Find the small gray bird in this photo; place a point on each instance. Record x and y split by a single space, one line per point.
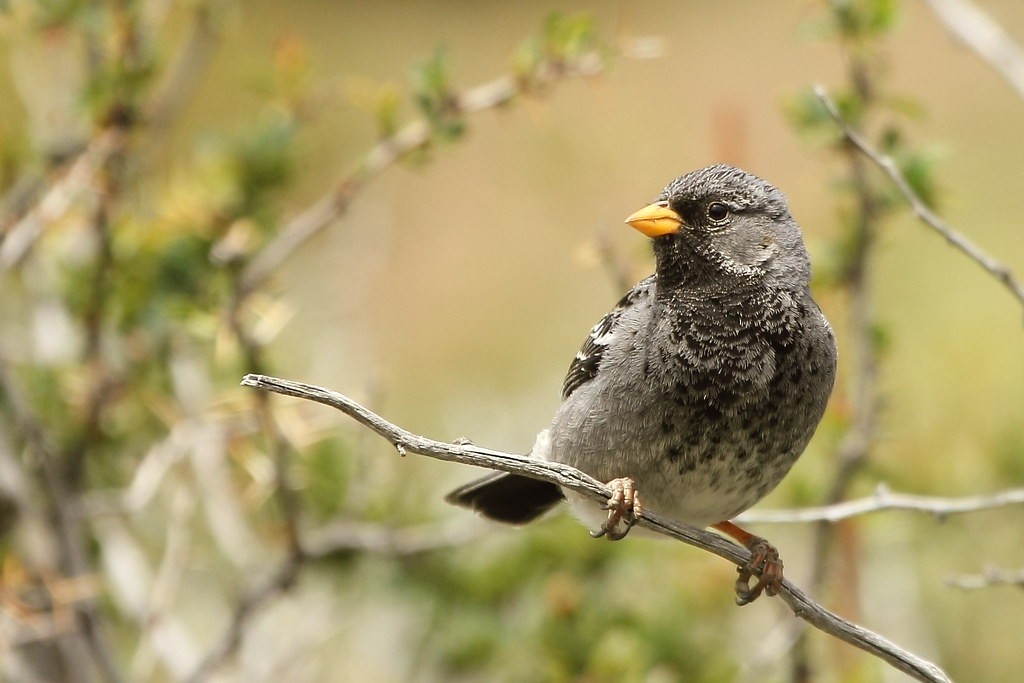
701 388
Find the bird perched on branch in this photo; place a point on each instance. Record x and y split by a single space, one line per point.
696 394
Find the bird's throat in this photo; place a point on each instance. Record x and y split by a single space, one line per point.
682 266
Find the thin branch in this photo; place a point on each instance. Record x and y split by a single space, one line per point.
981 34
884 499
188 62
281 581
992 576
18 238
412 138
575 480
161 632
618 268
997 269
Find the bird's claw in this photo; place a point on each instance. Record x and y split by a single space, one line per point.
764 564
624 508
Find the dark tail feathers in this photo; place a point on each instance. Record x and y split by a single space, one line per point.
507 498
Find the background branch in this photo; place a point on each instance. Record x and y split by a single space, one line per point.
570 478
414 137
279 582
77 177
884 499
982 35
1000 271
992 576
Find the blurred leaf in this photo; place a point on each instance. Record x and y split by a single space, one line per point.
907 106
563 39
918 167
808 114
386 111
435 97
570 36
262 159
890 140
919 170
864 19
51 14
881 338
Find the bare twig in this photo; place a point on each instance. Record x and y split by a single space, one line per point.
283 578
617 267
1000 271
884 499
172 92
575 480
981 34
410 139
992 576
17 239
164 634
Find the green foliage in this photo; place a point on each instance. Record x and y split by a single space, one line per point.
863 20
125 68
918 167
262 161
568 37
808 115
386 108
116 87
862 26
435 97
58 13
563 39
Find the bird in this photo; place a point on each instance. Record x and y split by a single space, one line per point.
696 394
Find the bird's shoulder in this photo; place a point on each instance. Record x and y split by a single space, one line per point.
584 366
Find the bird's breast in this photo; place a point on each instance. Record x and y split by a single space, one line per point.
707 423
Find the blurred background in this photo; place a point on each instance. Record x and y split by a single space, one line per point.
190 195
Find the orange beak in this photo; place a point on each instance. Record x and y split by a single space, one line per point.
655 220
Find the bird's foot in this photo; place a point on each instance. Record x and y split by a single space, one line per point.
764 564
624 508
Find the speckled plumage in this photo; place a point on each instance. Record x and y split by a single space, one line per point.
708 379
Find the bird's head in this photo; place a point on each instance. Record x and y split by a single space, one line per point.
720 226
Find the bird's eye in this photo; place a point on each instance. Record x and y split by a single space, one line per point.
717 211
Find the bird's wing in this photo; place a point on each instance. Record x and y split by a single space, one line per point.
584 366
